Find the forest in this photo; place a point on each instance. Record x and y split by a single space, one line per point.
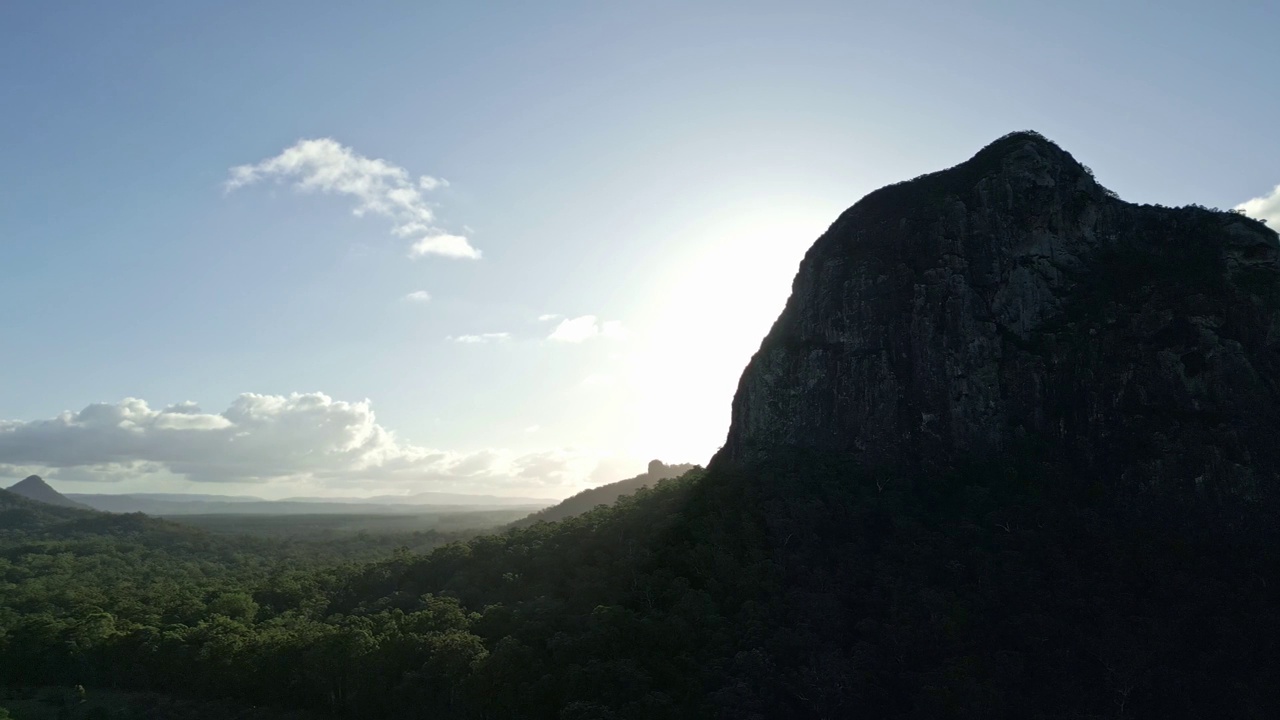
802 587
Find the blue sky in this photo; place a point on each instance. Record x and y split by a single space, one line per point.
659 167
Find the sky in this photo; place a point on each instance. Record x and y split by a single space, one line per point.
321 248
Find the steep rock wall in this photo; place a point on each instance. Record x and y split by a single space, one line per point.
1012 298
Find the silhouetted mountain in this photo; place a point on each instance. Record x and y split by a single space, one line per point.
1012 301
605 494
35 488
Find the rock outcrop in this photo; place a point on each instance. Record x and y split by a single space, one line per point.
605 494
1012 299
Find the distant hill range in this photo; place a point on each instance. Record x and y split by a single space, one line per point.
35 488
605 494
172 504
178 504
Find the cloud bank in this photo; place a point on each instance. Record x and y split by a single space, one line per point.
377 186
1266 208
261 438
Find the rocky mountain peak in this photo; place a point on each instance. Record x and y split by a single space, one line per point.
1011 300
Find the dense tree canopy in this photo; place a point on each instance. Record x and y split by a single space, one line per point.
805 588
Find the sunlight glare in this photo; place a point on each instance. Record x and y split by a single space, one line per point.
706 319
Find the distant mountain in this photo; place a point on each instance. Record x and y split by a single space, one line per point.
158 504
19 513
34 488
187 497
173 505
605 494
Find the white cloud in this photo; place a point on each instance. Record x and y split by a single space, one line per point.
257 438
378 187
533 428
418 296
454 246
549 317
579 329
1266 208
426 182
575 330
299 439
481 338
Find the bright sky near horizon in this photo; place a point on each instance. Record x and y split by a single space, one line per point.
539 240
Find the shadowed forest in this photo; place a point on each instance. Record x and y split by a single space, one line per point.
803 589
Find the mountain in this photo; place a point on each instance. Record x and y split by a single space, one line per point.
605 494
188 497
174 505
19 514
1013 304
34 488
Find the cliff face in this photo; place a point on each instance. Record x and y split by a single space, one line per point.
1012 298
